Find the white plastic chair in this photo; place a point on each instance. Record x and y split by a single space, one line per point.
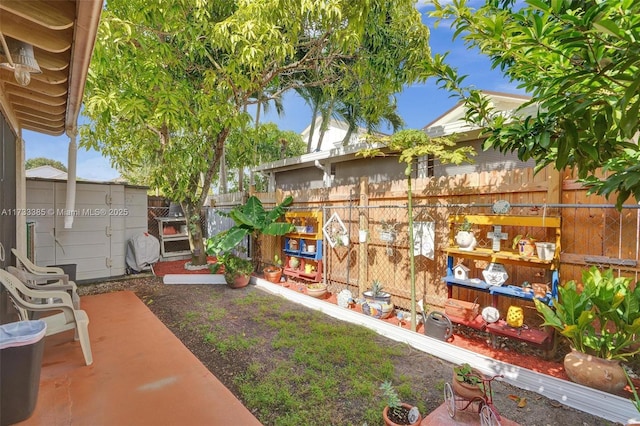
25 298
40 277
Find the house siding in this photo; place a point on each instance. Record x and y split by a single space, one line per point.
484 161
379 170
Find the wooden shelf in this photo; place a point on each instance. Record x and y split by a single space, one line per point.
541 338
477 323
502 257
303 240
529 335
171 250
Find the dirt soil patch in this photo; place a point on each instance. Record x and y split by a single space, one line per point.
175 304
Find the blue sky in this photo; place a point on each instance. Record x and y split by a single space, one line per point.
418 105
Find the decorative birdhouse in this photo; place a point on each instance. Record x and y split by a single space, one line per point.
461 272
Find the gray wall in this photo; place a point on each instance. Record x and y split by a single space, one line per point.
7 207
484 161
379 170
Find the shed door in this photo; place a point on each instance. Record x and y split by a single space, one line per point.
87 243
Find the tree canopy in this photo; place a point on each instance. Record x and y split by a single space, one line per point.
169 81
579 59
32 163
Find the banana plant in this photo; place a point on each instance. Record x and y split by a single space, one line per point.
251 220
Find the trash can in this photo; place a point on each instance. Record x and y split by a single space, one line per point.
21 347
69 269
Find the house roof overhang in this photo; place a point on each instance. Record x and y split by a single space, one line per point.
452 122
343 153
63 34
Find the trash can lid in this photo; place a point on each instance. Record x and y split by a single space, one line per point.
21 333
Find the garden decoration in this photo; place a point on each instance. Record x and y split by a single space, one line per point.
424 234
397 412
388 232
471 390
601 323
496 236
437 325
501 207
525 244
464 237
345 298
335 230
495 274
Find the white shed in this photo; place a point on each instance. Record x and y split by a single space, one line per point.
106 216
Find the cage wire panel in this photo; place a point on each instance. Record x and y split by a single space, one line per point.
378 250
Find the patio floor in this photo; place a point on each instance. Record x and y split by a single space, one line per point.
141 374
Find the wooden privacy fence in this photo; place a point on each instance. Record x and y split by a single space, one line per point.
593 232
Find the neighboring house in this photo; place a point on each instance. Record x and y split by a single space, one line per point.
340 165
337 165
452 123
334 135
46 172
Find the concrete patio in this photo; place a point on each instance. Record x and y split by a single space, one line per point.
141 374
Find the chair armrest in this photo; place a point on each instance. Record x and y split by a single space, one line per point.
50 276
46 270
48 294
42 279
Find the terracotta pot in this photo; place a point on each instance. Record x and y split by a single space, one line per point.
467 390
237 282
388 422
604 374
318 291
272 274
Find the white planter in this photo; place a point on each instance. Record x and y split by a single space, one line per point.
363 235
546 251
466 240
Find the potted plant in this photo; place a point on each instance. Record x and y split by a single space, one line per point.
464 236
525 244
377 302
273 273
601 323
468 382
397 412
237 271
317 290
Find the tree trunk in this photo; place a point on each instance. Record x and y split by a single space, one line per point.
314 115
196 240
